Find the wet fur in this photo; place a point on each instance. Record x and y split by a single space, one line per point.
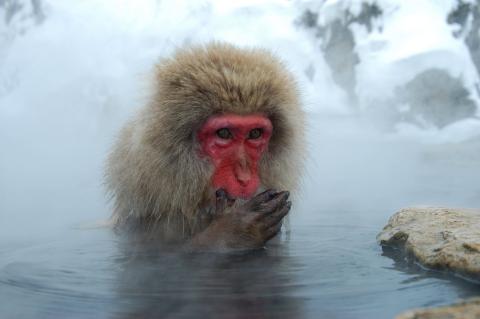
155 172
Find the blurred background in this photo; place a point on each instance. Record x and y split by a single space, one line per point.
391 88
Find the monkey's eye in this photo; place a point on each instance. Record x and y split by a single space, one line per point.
224 133
255 133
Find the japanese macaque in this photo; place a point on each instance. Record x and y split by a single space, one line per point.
209 161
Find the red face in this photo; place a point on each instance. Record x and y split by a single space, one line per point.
235 144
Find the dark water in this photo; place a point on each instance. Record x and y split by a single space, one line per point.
322 270
328 265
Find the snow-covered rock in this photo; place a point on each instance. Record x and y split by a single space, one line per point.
386 55
466 16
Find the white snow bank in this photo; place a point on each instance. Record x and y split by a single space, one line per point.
409 38
414 37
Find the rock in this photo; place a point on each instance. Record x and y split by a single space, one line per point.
338 40
437 238
468 309
437 98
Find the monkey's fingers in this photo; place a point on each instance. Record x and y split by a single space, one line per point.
277 217
261 198
221 201
274 204
272 231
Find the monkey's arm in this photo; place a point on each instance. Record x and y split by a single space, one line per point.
243 227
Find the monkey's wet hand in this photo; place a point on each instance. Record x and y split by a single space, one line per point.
243 226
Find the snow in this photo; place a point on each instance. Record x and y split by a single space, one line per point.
409 38
414 38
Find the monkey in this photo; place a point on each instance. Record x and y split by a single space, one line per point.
203 162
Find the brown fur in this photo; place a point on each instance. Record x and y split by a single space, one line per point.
154 171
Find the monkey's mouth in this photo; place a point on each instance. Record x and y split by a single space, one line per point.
242 191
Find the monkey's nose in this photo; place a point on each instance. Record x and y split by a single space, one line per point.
242 168
243 175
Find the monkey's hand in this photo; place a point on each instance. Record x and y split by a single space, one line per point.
243 226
